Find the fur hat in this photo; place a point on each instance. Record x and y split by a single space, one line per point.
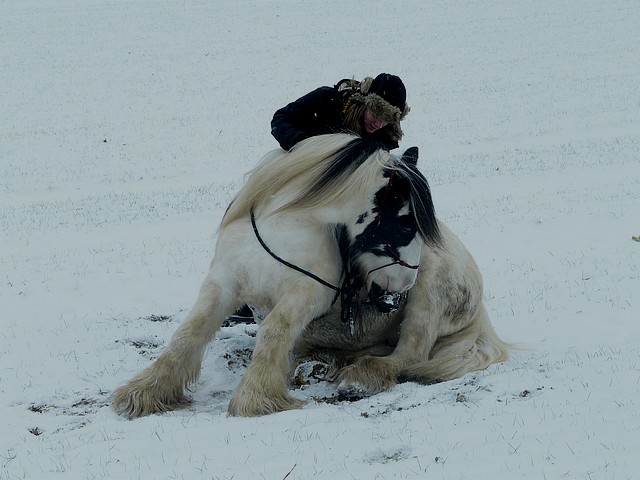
386 97
391 88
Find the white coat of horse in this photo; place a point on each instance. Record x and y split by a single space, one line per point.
334 209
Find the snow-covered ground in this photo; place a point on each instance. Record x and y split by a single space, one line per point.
125 129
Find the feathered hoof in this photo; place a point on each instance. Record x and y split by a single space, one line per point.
310 373
368 376
133 403
352 392
256 405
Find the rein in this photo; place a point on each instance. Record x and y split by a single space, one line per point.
289 264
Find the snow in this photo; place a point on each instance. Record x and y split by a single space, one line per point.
127 126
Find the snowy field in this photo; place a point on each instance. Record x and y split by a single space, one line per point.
125 129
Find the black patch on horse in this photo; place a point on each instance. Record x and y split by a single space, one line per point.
388 231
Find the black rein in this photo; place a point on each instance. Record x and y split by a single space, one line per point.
289 264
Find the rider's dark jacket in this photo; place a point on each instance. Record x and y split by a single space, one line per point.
324 109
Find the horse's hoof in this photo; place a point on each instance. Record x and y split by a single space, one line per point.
241 407
352 392
368 376
134 404
310 373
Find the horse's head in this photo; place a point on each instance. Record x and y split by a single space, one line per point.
386 239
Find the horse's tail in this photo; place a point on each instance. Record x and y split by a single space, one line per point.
473 348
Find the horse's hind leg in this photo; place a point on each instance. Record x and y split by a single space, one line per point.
473 348
160 387
427 355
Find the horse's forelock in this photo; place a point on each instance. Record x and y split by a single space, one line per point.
421 203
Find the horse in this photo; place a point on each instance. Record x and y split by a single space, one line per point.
312 236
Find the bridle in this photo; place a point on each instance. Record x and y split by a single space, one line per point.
393 253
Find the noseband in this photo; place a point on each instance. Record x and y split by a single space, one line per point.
393 253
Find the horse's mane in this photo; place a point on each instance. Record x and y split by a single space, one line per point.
321 167
329 169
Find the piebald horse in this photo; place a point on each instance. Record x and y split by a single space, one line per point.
314 237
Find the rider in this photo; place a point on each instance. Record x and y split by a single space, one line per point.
372 108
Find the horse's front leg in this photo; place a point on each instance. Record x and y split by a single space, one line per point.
374 374
160 387
263 389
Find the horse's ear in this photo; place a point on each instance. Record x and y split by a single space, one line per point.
410 156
